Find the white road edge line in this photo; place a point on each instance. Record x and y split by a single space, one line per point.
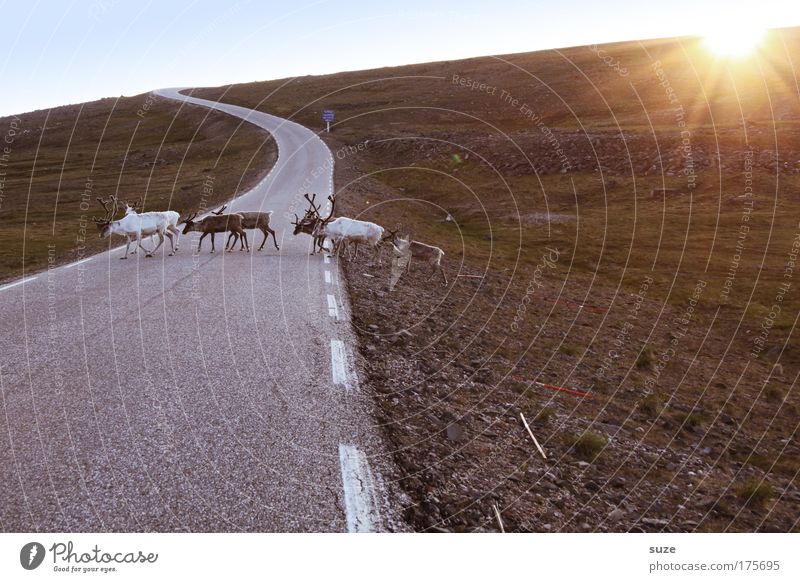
327 259
359 490
333 309
339 364
77 263
20 282
328 277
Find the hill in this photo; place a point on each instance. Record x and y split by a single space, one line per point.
55 162
621 246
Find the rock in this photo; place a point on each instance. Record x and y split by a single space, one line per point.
455 432
582 464
655 521
706 502
616 515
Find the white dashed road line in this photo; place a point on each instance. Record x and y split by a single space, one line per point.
328 277
339 374
327 259
333 309
359 490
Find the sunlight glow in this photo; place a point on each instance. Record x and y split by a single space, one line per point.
734 41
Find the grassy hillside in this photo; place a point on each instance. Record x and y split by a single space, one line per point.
630 212
56 162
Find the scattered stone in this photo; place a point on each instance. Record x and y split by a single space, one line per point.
655 521
455 432
616 515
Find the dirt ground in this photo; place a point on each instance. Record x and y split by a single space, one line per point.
454 368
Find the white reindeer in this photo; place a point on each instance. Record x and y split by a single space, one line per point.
134 226
411 249
350 231
172 226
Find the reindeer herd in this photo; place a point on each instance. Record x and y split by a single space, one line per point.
345 234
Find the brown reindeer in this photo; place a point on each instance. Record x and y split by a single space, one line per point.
214 224
312 221
251 220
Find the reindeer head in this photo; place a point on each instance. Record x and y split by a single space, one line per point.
191 225
104 224
132 208
389 236
308 223
401 246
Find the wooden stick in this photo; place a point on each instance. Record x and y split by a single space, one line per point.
473 276
538 446
499 519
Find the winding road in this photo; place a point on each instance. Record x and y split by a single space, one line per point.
200 392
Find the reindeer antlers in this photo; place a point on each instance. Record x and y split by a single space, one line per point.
110 212
221 210
314 209
333 205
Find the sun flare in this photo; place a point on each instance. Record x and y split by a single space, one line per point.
734 41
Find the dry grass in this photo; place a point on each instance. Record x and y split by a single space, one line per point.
587 446
755 493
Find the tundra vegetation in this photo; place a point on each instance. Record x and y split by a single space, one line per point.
669 173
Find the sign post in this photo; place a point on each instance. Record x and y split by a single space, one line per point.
327 117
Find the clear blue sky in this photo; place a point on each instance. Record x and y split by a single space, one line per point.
68 51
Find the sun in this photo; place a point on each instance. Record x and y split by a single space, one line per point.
734 41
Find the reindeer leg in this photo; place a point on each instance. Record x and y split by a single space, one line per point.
141 246
441 270
200 243
127 246
246 244
266 236
158 246
171 242
274 239
213 236
173 238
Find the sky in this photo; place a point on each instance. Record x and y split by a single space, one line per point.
56 52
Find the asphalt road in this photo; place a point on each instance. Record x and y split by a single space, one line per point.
200 392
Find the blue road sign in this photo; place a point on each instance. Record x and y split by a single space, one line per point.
327 115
